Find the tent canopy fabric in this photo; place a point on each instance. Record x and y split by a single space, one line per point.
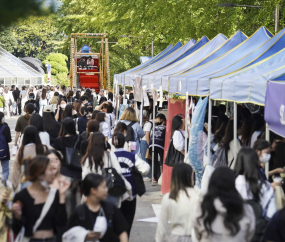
196 81
164 53
249 84
186 62
166 61
144 59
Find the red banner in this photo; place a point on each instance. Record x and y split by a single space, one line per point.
175 106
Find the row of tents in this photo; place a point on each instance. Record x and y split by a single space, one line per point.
235 69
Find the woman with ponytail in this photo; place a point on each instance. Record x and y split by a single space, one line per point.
127 161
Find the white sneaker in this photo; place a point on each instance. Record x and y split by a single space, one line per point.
147 179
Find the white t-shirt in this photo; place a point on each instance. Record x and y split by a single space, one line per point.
179 139
23 93
147 128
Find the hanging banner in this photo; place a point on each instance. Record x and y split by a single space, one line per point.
175 106
196 140
138 89
274 113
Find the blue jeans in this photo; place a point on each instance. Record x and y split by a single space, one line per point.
5 169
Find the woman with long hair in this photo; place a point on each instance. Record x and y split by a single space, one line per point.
219 129
104 127
223 215
28 203
31 146
246 132
228 144
69 97
43 100
250 183
128 161
97 157
130 119
37 121
94 114
60 109
256 130
78 95
113 226
51 126
182 195
68 138
5 158
77 106
68 112
92 127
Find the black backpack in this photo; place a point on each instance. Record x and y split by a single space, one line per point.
130 133
260 221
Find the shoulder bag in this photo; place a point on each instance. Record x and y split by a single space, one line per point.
173 155
21 236
114 181
73 156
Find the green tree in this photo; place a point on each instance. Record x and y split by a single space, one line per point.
164 21
37 37
59 69
11 11
7 39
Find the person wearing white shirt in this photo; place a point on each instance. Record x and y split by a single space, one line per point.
178 133
8 96
250 183
43 100
178 207
97 158
24 98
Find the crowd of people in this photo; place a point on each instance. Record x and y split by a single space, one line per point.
77 171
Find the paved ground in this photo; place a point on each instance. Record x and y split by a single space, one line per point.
141 231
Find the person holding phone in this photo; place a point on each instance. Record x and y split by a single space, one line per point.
96 219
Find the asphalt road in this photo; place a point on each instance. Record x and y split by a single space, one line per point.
141 231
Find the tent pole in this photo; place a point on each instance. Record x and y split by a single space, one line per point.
215 102
141 120
117 102
153 128
267 137
186 123
235 130
209 129
227 107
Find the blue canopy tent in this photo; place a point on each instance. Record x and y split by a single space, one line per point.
196 81
144 59
175 56
157 77
249 84
235 40
163 54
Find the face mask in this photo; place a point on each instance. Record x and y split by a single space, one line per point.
63 106
265 158
158 123
3 120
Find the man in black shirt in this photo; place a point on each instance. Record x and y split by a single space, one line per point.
34 102
17 100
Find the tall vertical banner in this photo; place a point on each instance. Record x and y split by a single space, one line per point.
196 140
274 113
49 74
138 89
175 106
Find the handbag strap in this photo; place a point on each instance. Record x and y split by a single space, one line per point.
46 208
76 142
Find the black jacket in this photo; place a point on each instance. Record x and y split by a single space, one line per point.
7 135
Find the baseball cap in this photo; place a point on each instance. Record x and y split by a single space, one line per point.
48 109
